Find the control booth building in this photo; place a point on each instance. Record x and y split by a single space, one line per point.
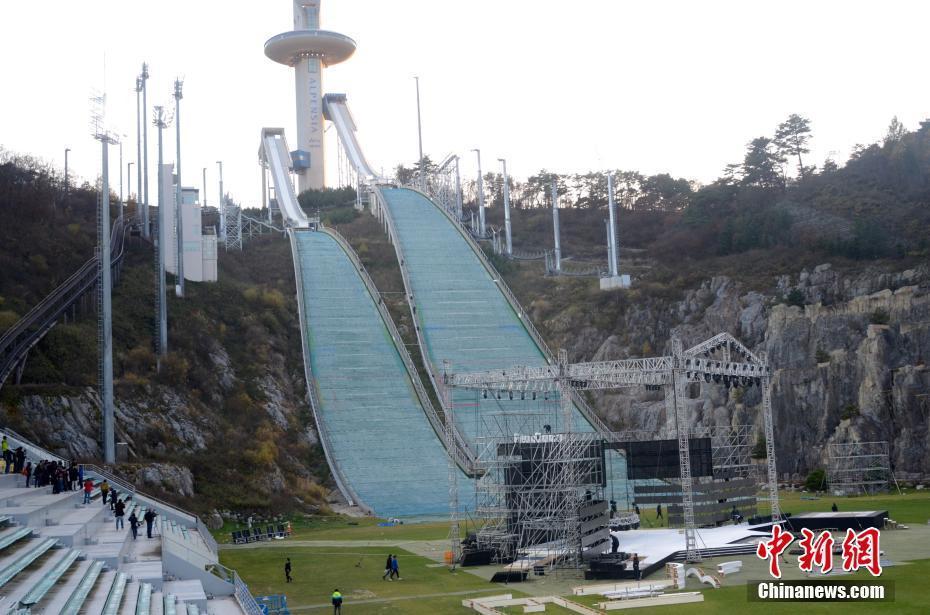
200 244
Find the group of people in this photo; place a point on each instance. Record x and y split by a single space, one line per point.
391 571
109 494
44 473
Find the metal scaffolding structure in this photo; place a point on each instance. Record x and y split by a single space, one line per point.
537 488
721 359
855 468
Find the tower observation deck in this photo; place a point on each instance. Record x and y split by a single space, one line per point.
309 49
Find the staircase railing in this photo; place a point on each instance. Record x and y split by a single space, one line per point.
16 342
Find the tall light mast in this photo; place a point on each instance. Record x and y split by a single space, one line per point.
145 152
507 208
140 120
104 285
481 231
179 194
308 50
160 121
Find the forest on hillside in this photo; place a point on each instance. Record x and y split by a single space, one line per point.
875 205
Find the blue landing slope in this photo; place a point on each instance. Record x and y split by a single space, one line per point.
465 318
376 431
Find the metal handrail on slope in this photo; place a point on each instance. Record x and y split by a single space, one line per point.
341 483
32 327
577 399
463 455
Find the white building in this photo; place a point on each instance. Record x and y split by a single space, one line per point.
199 243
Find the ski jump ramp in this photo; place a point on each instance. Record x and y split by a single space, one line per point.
378 430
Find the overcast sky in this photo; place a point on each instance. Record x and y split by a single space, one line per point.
677 87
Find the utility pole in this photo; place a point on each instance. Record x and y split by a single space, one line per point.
555 226
160 123
612 233
507 209
179 195
129 183
480 196
145 151
420 137
222 205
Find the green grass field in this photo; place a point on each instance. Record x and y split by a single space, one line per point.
427 589
356 572
337 527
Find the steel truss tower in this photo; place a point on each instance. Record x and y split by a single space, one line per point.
720 359
855 468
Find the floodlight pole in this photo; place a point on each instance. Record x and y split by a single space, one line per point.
507 209
555 226
179 195
106 307
140 119
203 201
481 230
145 152
420 138
161 124
222 205
612 232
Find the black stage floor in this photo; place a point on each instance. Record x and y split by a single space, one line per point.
856 520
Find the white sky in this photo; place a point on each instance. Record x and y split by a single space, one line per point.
655 86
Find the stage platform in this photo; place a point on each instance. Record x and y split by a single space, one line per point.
657 547
837 521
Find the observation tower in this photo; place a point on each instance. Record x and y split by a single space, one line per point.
309 49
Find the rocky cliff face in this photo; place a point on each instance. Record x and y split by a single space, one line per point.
849 365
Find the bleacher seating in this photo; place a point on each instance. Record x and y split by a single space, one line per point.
60 556
115 595
79 596
47 581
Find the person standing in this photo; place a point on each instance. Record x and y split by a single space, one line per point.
287 571
88 487
149 517
27 472
659 511
388 567
5 447
113 494
134 525
104 490
395 569
636 566
119 509
337 602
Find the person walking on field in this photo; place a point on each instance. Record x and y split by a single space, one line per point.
388 567
659 512
337 602
287 571
395 570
